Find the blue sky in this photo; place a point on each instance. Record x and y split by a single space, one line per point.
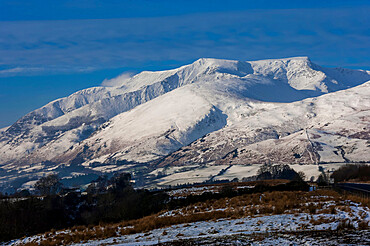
49 49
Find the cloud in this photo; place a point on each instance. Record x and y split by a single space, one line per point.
327 36
119 80
19 70
30 71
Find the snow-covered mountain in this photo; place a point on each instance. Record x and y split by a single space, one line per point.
209 112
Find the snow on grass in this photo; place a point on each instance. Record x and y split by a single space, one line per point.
104 168
182 175
32 168
29 185
328 212
222 227
193 176
172 170
240 172
313 170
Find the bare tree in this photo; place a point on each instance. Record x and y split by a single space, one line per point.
49 185
302 175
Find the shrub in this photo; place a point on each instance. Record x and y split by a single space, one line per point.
345 225
352 171
363 225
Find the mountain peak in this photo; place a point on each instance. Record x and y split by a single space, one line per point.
296 58
218 61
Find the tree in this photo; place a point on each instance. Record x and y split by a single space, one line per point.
265 168
302 175
100 185
22 193
322 180
279 171
49 185
352 172
121 181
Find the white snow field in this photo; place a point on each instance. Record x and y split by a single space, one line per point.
211 112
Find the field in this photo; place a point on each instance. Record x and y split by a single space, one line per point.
277 217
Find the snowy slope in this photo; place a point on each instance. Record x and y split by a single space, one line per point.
320 129
301 74
211 111
153 129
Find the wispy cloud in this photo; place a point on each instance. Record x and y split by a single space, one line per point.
328 36
29 71
20 70
119 80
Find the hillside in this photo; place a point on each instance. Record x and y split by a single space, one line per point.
270 218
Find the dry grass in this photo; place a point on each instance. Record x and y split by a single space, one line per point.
365 201
363 225
321 220
345 225
277 202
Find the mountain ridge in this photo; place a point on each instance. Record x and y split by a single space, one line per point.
155 115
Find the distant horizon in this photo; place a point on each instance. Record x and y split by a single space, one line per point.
50 50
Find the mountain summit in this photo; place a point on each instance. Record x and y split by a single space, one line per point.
210 112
